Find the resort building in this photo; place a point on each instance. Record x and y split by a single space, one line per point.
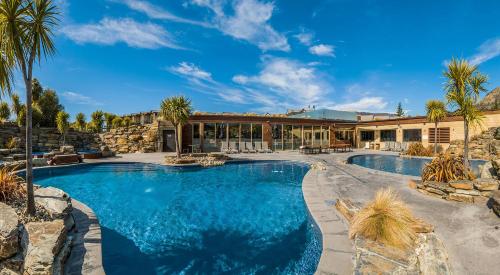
206 132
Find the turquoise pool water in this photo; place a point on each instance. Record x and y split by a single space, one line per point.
396 164
247 218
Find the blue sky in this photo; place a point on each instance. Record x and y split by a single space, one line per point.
124 56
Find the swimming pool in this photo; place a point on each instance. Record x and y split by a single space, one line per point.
399 165
238 218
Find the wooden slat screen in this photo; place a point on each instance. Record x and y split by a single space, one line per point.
443 135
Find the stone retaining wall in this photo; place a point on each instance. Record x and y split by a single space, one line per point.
132 139
484 146
47 139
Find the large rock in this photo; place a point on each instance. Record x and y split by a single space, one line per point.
68 149
461 198
42 242
495 201
9 232
432 256
462 184
55 201
487 171
484 184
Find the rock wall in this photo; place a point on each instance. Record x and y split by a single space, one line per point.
132 139
476 191
484 146
47 139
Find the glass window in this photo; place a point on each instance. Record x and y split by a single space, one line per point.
221 132
412 135
388 135
288 137
308 135
257 132
209 142
326 136
297 137
317 135
277 136
367 135
196 134
246 132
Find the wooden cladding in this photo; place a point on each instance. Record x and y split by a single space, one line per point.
443 135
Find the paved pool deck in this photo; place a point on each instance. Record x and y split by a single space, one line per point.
470 232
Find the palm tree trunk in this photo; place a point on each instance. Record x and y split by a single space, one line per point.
466 143
435 138
177 151
29 150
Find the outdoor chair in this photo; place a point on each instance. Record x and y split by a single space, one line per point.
249 148
265 147
258 146
233 147
224 148
397 147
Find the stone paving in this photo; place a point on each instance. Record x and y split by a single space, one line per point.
470 232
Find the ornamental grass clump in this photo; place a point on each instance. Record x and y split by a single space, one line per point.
11 188
386 220
418 149
446 168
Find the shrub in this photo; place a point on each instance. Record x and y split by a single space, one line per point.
446 168
418 149
4 112
10 185
11 143
386 219
117 122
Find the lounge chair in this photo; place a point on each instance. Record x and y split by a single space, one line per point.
397 147
387 146
224 148
233 147
404 146
392 146
249 148
265 147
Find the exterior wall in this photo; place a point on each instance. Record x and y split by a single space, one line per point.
456 125
47 139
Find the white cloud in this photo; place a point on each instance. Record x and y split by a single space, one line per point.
368 104
323 50
191 71
112 31
295 83
155 12
488 50
305 37
80 99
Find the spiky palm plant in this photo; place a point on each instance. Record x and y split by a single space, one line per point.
463 88
4 112
16 104
80 121
436 111
26 30
177 110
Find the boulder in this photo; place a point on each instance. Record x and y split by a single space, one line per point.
484 184
346 208
9 232
495 201
55 201
432 256
468 192
42 242
441 186
68 149
487 171
462 184
461 198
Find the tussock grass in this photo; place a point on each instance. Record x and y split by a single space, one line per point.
386 219
418 149
11 188
446 168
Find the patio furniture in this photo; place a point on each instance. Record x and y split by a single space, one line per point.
233 147
404 146
307 150
397 147
249 148
265 147
226 149
341 146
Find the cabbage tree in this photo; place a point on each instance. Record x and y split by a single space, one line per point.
176 110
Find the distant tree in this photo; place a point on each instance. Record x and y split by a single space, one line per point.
80 121
62 122
117 122
436 111
16 104
108 117
399 110
127 121
49 105
37 90
463 88
36 116
4 112
177 110
97 121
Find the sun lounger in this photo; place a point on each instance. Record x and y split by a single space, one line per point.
233 147
397 147
249 148
265 147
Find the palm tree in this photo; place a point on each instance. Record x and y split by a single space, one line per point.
436 111
62 122
80 121
97 121
16 104
26 32
463 88
177 110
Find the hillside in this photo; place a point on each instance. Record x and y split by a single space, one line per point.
491 101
